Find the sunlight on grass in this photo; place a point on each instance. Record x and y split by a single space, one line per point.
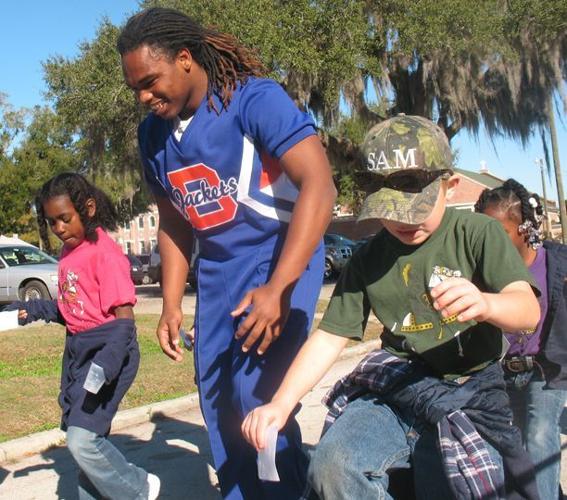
30 367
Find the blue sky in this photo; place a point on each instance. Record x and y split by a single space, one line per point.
32 31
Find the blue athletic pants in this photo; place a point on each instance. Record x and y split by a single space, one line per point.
231 383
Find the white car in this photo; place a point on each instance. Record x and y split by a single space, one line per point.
26 273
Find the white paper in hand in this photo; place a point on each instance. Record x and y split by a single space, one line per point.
9 320
267 457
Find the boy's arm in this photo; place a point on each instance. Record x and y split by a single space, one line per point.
307 167
312 362
512 309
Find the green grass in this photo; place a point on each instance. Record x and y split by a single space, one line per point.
30 367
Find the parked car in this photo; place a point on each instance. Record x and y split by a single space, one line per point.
145 260
136 271
154 270
337 254
26 273
338 240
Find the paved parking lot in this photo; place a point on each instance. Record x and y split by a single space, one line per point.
149 298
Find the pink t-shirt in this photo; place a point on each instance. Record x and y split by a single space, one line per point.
94 278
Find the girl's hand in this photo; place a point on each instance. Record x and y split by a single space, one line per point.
461 297
168 333
267 317
258 420
22 314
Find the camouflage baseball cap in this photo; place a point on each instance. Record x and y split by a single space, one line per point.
404 143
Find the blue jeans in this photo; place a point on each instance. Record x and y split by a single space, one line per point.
104 472
371 440
536 413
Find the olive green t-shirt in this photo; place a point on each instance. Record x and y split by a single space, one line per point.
393 281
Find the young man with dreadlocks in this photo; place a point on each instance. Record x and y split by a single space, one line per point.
231 160
535 367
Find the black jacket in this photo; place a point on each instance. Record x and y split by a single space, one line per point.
112 345
553 353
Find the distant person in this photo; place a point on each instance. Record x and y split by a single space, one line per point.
95 301
443 283
232 160
535 367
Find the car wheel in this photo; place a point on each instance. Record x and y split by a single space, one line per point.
146 280
328 272
34 289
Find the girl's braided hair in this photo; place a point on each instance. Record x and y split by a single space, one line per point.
521 206
79 190
224 59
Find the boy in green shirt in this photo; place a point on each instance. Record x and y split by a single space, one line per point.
444 283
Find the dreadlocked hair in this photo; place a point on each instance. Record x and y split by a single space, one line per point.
79 190
224 59
521 206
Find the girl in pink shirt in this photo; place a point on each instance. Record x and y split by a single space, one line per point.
95 301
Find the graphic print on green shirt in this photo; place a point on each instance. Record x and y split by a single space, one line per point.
393 281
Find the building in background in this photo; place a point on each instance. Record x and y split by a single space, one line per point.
139 236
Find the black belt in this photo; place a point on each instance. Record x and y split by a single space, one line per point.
519 364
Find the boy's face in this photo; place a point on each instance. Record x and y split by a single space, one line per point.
415 234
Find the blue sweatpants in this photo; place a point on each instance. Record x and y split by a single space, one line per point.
231 383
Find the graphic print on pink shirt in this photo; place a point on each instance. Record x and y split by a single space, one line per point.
69 294
94 279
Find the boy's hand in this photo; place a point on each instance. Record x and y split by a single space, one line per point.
22 314
267 317
258 420
461 297
168 333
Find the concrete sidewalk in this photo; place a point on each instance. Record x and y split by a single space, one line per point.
168 439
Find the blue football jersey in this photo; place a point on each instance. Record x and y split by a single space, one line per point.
224 174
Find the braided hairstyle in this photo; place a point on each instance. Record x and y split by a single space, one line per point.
225 61
521 206
79 190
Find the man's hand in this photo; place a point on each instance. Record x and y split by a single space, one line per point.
461 297
168 333
270 309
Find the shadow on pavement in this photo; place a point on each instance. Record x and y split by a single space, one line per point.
178 453
563 421
3 474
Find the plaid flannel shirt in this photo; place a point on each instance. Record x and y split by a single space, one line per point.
467 462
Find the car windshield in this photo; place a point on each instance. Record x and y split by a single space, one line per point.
144 258
134 260
24 255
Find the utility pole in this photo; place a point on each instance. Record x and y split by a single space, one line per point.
539 162
557 167
34 212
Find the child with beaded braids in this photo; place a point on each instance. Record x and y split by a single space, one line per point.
232 160
535 366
